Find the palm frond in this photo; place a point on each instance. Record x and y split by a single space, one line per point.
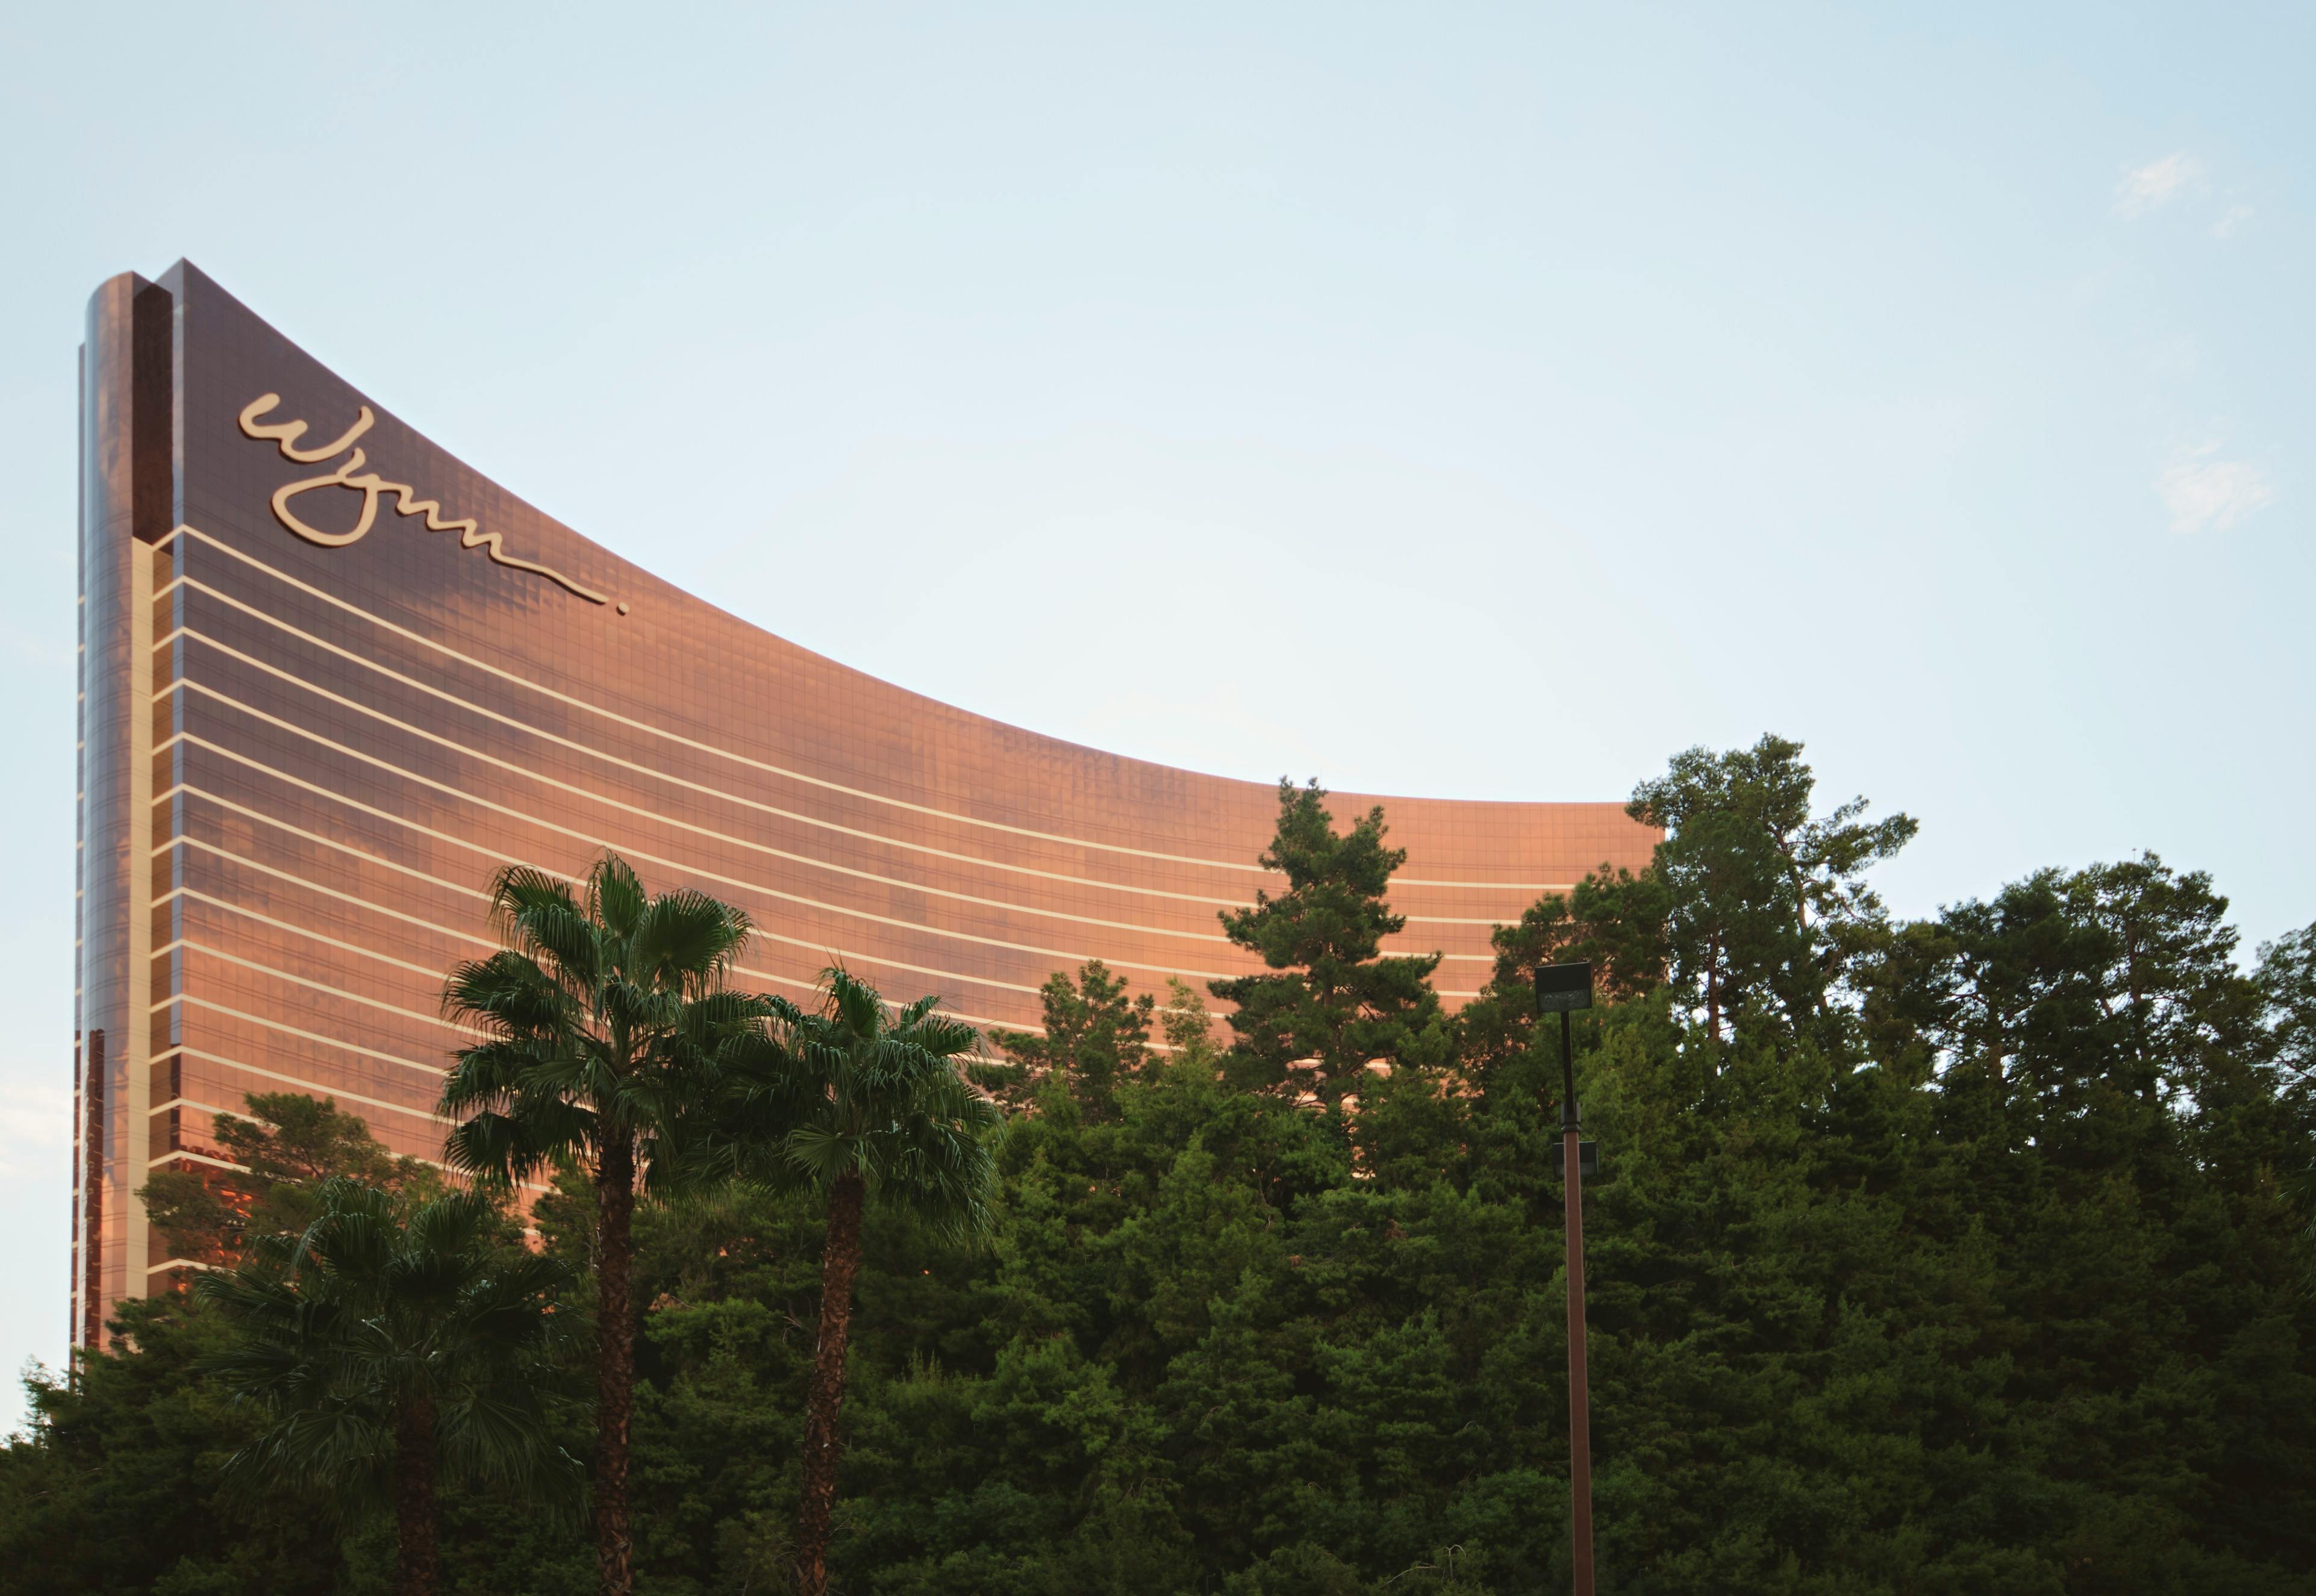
535 912
616 899
517 889
877 1092
686 942
502 1148
376 1304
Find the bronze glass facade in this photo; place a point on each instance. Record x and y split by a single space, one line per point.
332 677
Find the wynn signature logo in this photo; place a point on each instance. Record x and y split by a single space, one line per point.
350 475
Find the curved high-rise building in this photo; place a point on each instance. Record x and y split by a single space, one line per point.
333 678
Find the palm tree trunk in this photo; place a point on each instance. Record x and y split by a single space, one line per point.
824 1449
615 1361
414 1498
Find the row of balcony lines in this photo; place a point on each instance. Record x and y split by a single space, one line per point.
1065 959
711 749
850 956
468 937
196 586
467 750
595 842
1060 958
654 816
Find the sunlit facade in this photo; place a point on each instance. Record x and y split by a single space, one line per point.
332 677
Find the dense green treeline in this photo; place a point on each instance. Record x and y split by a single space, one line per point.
1964 1255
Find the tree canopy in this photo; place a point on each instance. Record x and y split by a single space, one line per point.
1960 1255
288 1147
1335 1003
394 1345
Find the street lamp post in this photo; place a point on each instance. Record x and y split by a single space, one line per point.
1562 988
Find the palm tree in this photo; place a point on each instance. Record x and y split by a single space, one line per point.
396 1345
604 1016
862 1101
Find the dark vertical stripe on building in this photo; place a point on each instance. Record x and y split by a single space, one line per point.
152 405
93 1207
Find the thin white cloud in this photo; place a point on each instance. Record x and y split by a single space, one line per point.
35 1128
2158 184
27 648
2232 218
2206 494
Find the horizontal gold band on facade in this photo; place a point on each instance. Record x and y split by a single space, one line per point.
654 816
694 744
851 957
368 1102
635 855
338 1042
487 946
813 820
729 838
1067 959
837 787
309 983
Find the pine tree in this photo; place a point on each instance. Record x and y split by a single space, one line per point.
1097 1036
1338 1003
288 1147
1765 902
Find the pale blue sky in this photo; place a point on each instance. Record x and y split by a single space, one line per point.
1316 390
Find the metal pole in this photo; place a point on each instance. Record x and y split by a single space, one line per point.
1580 1401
